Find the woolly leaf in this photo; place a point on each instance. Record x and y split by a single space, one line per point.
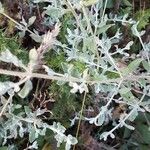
132 66
5 86
146 65
104 28
49 70
89 2
7 56
31 20
32 135
1 8
26 89
127 3
133 115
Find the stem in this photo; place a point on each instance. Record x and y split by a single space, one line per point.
114 94
81 112
69 5
87 19
130 113
91 31
143 47
4 107
102 18
17 23
73 79
113 63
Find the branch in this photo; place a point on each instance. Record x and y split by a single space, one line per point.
73 79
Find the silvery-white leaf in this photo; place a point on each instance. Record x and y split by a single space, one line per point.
100 120
49 70
129 45
24 22
142 32
1 8
134 29
133 115
36 37
39 112
70 140
40 1
61 82
104 136
7 56
22 33
33 146
26 89
5 86
129 126
112 135
31 20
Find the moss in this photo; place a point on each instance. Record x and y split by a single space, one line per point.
54 60
66 103
13 45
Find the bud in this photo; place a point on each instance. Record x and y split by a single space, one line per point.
33 56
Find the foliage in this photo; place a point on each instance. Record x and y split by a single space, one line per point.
81 59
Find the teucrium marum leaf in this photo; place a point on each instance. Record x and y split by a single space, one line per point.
7 56
36 37
89 2
32 135
54 12
5 86
31 20
1 8
132 66
26 89
104 28
146 65
133 115
49 70
70 140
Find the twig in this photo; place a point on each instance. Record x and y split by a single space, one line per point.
81 112
4 107
73 79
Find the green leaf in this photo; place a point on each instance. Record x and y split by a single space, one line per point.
104 28
89 44
54 12
4 148
27 110
133 115
126 94
127 3
146 65
32 135
89 2
132 66
124 90
143 131
26 89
